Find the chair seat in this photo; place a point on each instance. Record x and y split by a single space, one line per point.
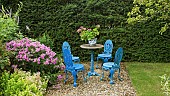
78 66
104 55
75 58
109 65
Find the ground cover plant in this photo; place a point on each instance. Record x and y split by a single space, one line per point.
22 83
146 77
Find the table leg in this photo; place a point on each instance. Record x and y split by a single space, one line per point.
92 72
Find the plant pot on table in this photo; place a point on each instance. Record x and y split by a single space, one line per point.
92 42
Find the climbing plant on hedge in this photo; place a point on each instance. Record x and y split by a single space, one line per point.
146 10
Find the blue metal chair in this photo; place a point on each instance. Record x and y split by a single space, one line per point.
107 54
67 46
71 67
113 66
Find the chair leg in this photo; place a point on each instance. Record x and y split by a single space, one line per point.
97 63
121 79
74 73
84 76
111 76
66 77
102 75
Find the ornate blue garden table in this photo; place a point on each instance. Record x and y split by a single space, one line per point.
96 46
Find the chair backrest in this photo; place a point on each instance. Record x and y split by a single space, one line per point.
66 46
67 58
108 46
118 55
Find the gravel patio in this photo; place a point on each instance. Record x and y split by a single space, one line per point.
95 87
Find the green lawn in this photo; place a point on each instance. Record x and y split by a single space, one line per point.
145 77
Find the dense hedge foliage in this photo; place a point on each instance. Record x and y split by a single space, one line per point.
61 18
145 44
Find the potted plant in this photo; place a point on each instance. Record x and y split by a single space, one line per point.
89 34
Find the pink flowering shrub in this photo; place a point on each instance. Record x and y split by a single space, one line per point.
36 57
32 51
58 79
31 55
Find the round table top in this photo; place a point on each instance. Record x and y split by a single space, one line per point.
87 46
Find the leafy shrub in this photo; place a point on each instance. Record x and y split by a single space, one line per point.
22 83
32 55
4 58
56 79
46 40
9 29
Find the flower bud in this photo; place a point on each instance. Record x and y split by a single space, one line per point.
97 26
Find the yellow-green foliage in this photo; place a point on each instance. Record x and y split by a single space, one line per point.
148 9
22 83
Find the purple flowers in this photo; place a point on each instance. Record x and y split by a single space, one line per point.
14 66
32 51
59 77
62 67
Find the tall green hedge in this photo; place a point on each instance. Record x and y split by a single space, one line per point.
61 18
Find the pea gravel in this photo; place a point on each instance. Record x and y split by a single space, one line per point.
94 86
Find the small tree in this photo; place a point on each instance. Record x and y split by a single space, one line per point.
144 10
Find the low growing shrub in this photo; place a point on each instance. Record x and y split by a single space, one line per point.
33 56
22 83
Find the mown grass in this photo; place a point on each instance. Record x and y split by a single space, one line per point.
145 77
